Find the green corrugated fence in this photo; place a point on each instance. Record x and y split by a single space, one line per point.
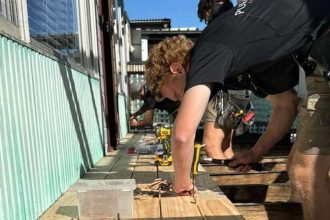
50 129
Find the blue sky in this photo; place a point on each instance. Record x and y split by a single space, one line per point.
183 13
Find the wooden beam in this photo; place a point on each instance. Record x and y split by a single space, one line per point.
217 169
250 178
277 192
270 211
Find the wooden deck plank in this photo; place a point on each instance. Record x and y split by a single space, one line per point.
179 207
270 211
102 169
274 159
211 202
250 178
66 208
144 174
218 209
146 207
145 169
258 193
216 169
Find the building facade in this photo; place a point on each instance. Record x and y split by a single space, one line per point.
61 91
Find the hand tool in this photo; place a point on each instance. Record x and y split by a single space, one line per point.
254 166
194 167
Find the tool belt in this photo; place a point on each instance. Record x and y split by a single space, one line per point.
320 53
237 113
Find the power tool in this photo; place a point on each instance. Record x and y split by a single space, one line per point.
225 162
163 133
237 113
220 162
163 155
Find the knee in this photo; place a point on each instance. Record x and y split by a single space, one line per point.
301 178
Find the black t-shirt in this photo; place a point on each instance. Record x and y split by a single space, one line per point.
256 37
150 102
269 79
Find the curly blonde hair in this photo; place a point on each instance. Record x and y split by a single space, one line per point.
161 56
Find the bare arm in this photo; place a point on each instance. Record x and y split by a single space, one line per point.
190 113
284 112
148 117
142 110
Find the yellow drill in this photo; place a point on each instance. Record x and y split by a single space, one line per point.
163 156
163 133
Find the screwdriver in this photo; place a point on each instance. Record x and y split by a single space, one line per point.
194 167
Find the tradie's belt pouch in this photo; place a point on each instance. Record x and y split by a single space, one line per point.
321 54
231 113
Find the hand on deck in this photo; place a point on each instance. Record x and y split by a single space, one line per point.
182 190
241 161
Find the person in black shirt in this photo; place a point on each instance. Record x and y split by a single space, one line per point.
210 9
139 91
254 46
216 137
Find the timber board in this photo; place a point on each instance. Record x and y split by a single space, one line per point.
250 178
217 169
270 211
211 203
276 192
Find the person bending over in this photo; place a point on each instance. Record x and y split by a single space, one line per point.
217 138
251 47
139 91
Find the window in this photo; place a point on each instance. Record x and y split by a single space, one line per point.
88 33
54 23
69 26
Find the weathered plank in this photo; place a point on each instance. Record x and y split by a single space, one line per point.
66 208
250 178
211 203
279 192
112 165
270 211
179 207
217 169
125 162
275 159
146 202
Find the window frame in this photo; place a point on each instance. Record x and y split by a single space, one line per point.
88 40
20 29
86 12
9 28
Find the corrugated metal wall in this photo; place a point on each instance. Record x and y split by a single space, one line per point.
50 129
